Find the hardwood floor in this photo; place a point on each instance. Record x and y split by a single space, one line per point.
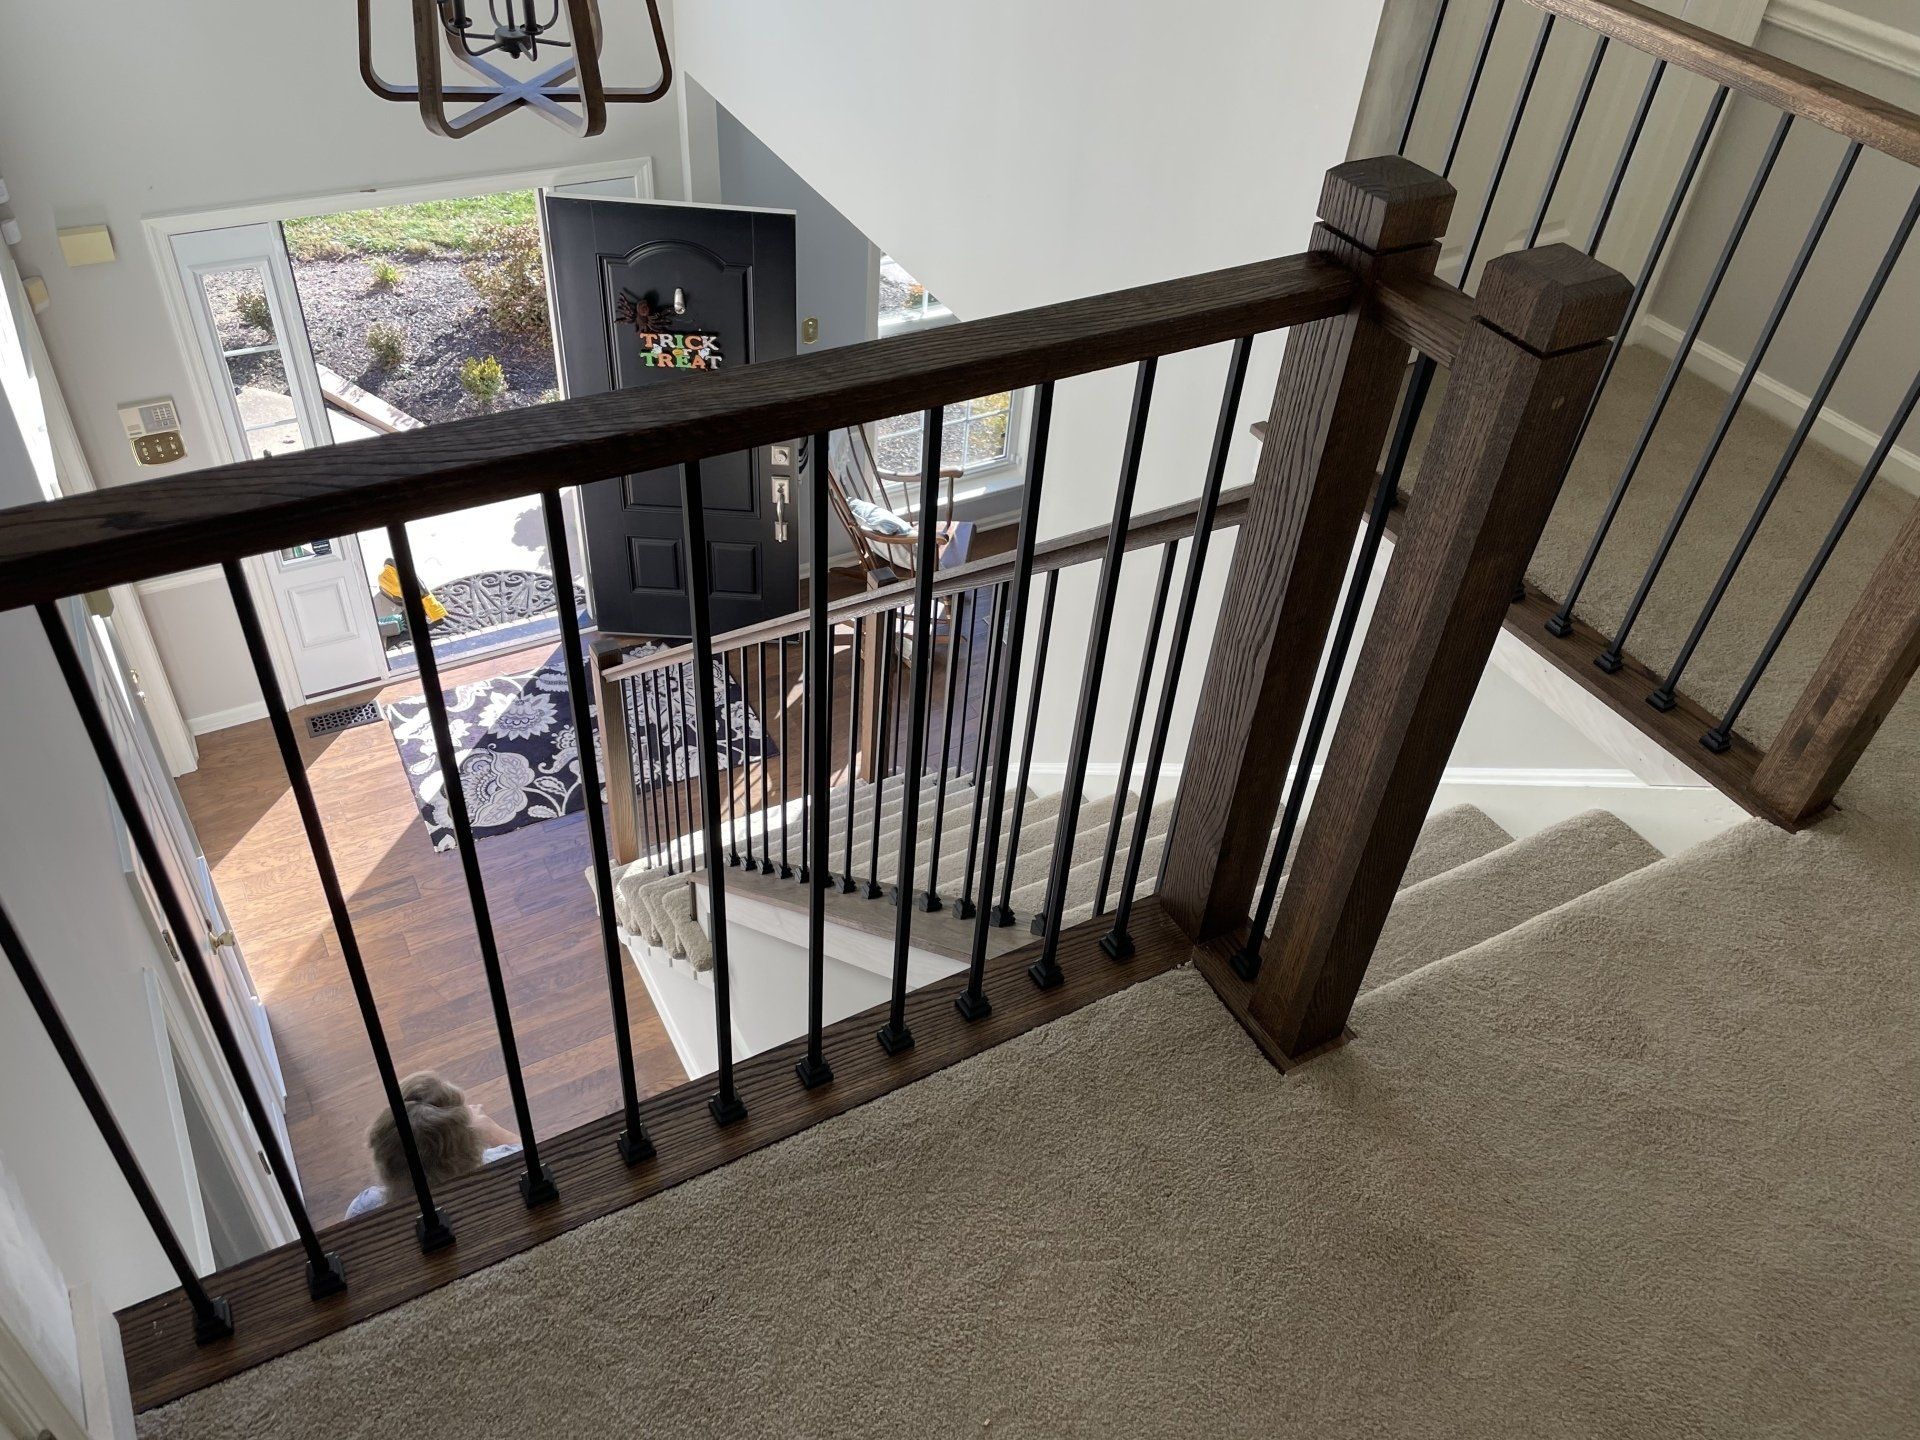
414 923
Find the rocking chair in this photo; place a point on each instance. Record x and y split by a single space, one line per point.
883 540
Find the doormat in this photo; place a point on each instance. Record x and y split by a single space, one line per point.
497 597
670 695
332 722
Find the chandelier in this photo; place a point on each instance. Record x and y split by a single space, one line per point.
523 57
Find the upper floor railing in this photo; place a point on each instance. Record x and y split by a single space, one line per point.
1353 305
1659 170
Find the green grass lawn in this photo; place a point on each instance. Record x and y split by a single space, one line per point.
429 227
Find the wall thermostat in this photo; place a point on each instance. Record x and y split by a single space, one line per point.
153 429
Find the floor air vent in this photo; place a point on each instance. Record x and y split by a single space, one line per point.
332 722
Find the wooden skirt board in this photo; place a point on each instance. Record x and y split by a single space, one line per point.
272 1313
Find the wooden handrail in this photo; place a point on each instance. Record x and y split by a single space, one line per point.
1171 522
1877 124
127 533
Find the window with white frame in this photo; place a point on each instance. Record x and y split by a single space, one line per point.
974 434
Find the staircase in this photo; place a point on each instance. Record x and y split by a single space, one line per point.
1537 1133
1467 881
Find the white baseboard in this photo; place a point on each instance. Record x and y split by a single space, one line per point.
1846 437
228 718
1856 35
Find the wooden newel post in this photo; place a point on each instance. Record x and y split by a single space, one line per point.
616 756
1520 384
1332 407
1863 675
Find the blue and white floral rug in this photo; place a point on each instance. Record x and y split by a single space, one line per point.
518 750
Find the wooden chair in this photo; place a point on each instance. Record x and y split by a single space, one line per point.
853 473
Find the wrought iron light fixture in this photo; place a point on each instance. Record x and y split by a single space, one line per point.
503 50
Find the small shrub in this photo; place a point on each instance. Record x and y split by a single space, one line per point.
386 343
253 308
548 396
506 270
384 275
484 380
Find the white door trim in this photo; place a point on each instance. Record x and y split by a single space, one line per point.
205 399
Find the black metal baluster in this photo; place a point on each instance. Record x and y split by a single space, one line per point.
1544 34
1665 697
816 687
1002 913
966 680
1246 960
929 899
1567 136
651 683
212 1317
1609 659
1720 738
536 1182
325 1274
883 758
641 799
740 796
1420 80
1118 943
1473 87
1604 215
804 871
1045 972
972 1002
766 768
963 903
430 1226
672 682
845 884
1561 622
786 866
894 1036
1149 652
725 1105
633 1142
726 734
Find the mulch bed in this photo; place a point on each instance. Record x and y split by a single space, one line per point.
445 324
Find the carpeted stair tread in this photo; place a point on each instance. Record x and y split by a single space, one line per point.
1083 880
1475 901
1450 838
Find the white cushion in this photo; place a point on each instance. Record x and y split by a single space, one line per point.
877 518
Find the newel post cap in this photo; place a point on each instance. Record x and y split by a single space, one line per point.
1386 203
1552 299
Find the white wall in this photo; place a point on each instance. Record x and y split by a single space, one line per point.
62 882
112 112
1043 151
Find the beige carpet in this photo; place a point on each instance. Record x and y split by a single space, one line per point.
1476 901
1647 1164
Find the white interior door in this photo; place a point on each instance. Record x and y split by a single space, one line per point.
253 343
187 871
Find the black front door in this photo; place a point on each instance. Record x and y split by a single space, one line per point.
648 294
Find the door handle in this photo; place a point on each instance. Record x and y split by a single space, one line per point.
780 508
